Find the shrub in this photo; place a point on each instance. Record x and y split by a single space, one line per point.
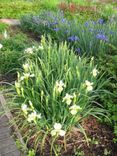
11 53
108 63
91 37
55 91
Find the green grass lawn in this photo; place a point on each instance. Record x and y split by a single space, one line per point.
17 8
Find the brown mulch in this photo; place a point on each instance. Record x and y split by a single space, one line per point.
100 140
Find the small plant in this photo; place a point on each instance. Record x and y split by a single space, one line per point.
3 27
31 153
55 91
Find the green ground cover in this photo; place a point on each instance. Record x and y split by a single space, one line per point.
17 8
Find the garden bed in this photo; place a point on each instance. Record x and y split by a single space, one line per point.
60 77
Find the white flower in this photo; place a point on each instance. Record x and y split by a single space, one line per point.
24 108
5 34
95 72
29 50
62 132
59 86
33 116
1 46
26 67
92 58
74 109
57 130
89 85
57 126
68 99
26 76
39 116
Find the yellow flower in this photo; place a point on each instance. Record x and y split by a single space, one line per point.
59 86
17 86
68 99
89 85
95 72
57 130
40 47
26 67
74 109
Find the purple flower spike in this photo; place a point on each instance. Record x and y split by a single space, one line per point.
78 50
86 24
100 21
56 29
73 38
102 37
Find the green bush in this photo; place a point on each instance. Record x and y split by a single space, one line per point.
108 63
11 53
55 91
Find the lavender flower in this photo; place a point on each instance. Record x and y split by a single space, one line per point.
100 21
54 23
86 24
63 20
78 50
111 32
56 29
102 37
73 38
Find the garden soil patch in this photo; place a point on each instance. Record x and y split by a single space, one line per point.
100 138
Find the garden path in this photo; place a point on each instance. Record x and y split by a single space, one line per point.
12 22
7 143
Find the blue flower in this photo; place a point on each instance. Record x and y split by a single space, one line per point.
54 23
86 24
78 50
102 37
93 22
73 38
111 32
63 20
100 21
91 29
56 29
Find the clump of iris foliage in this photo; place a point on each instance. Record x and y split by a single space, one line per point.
91 37
56 90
